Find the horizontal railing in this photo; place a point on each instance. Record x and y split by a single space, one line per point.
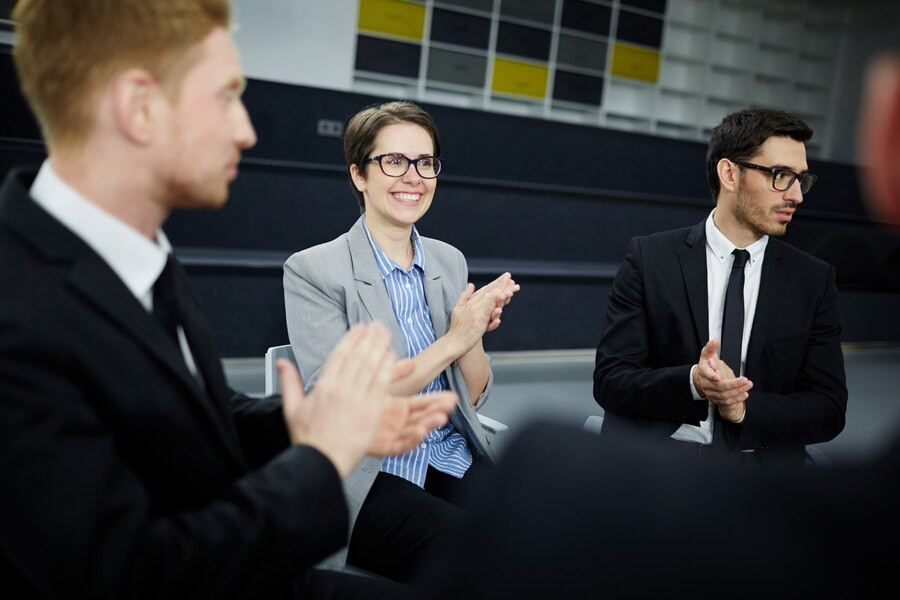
221 258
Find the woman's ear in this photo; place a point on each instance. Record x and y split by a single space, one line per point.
358 180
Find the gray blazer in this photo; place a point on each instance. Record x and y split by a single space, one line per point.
329 287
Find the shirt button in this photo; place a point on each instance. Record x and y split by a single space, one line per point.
407 286
409 320
424 445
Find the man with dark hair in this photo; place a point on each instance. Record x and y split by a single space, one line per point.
741 134
130 469
720 337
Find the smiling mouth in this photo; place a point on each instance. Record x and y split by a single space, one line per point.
407 198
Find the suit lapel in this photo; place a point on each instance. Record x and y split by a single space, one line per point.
692 258
434 294
95 282
772 284
92 279
202 345
370 285
89 275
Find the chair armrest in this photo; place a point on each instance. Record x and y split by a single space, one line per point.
818 457
491 425
594 424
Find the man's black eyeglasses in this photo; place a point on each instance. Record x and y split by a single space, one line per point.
396 165
783 179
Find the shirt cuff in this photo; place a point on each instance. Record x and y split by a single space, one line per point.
694 391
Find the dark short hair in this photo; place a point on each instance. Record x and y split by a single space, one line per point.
363 128
740 135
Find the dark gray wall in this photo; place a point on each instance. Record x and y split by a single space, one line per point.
553 203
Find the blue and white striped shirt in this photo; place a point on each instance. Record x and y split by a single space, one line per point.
443 448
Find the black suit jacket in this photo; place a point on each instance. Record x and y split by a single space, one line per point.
121 476
657 323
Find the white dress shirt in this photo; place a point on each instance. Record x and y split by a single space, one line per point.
134 258
718 269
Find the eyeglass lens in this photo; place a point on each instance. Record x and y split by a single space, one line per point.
782 180
396 165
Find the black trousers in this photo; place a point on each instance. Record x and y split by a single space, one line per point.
403 530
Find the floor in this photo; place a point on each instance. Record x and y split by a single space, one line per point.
557 386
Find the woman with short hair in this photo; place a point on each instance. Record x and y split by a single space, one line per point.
402 507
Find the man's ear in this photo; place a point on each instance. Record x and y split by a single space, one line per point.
726 170
358 180
136 105
879 138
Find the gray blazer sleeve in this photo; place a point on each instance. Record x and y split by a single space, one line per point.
483 398
315 306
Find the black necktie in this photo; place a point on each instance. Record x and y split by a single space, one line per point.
165 303
170 312
733 314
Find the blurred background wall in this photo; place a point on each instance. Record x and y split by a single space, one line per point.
568 126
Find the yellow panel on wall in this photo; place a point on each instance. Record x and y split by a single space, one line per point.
393 17
519 78
635 62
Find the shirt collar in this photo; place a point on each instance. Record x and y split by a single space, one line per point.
385 265
137 260
722 248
